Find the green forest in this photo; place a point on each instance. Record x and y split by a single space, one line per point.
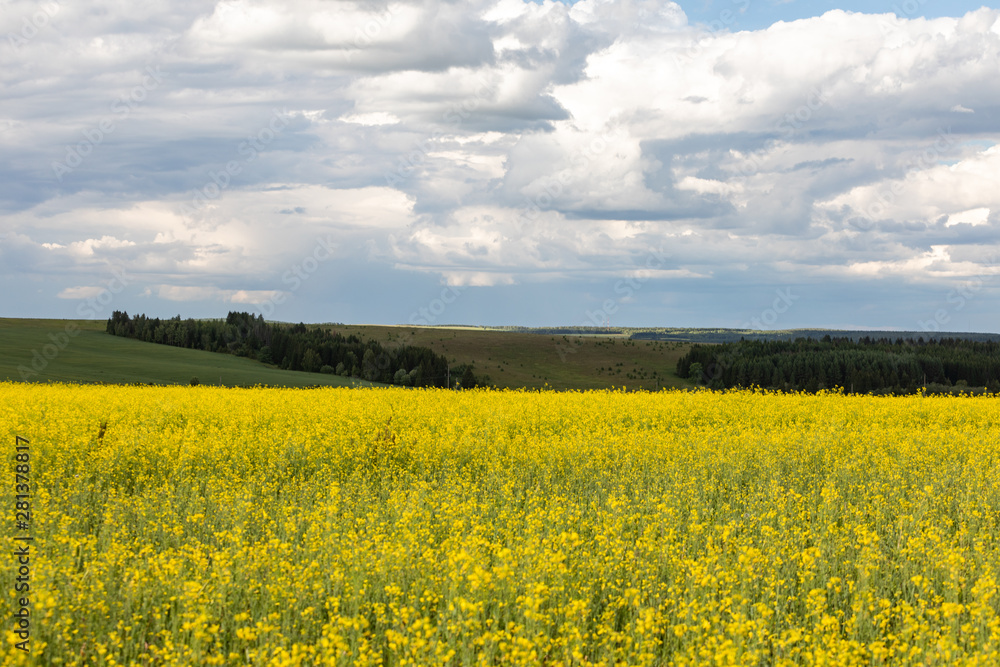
297 347
865 365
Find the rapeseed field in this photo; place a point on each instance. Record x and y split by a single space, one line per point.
210 526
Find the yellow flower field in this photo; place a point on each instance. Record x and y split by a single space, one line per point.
200 526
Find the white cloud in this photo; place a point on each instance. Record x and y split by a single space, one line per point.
375 118
256 296
81 292
211 293
963 192
186 293
89 246
476 278
974 217
494 143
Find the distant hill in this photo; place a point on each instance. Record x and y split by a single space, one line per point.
733 335
567 358
688 335
515 359
42 350
80 351
313 348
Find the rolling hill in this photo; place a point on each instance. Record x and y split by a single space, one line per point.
80 351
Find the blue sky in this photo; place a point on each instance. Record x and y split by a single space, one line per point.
760 14
501 162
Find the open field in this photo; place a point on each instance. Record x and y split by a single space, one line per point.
517 360
202 525
511 360
705 335
94 356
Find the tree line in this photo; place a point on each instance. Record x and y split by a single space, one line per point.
865 365
297 348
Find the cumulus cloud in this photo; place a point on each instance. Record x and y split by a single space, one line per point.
933 192
212 147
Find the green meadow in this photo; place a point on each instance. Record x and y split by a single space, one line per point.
80 351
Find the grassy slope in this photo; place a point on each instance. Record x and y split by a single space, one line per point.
532 360
509 359
94 356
